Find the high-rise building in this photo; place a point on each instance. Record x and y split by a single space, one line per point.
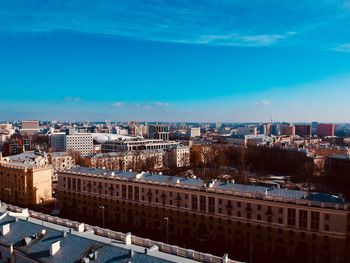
16 146
303 130
314 126
159 132
325 129
287 129
77 142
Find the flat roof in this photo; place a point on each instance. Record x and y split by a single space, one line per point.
214 185
74 246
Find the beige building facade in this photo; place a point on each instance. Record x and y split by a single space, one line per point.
25 183
283 225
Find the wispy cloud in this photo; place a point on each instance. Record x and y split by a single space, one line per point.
162 104
244 40
142 106
262 23
343 48
118 104
72 99
263 103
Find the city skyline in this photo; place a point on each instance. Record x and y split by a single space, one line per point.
158 61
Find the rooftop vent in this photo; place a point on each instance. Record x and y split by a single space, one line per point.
55 247
128 238
4 229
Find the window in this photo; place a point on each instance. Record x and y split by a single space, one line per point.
130 192
136 191
239 204
202 203
194 202
326 217
258 217
291 217
303 218
211 201
315 220
123 191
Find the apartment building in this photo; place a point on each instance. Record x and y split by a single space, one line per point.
135 160
276 224
27 236
325 129
136 144
25 182
303 130
160 132
76 142
30 127
6 130
178 156
16 146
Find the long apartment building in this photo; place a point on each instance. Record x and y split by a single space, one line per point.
27 236
137 144
154 159
247 221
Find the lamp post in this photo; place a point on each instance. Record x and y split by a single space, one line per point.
103 215
167 229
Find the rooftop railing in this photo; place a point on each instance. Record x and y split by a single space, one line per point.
119 236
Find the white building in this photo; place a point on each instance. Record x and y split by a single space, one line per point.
57 141
136 144
6 130
247 131
195 132
30 127
78 142
178 156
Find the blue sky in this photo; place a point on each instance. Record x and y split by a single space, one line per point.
221 61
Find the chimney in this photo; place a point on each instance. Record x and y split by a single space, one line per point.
128 239
225 258
54 248
4 229
81 228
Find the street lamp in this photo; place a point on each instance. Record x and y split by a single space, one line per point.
103 215
167 229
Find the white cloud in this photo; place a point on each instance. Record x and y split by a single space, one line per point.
118 104
162 104
244 40
72 99
343 48
263 103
